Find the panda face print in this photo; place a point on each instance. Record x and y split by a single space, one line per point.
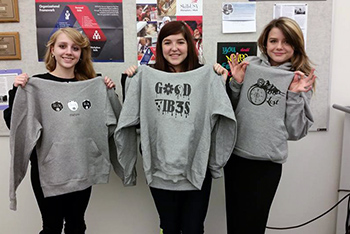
57 106
73 105
86 104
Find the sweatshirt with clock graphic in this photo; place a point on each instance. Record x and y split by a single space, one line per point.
267 113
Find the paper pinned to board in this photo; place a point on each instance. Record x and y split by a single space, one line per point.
238 17
7 78
295 11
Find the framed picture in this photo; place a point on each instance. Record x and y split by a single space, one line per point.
9 46
9 11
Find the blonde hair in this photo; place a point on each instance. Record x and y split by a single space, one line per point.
83 69
294 36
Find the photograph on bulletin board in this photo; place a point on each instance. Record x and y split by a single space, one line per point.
152 15
147 31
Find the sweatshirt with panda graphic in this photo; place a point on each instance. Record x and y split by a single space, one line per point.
71 126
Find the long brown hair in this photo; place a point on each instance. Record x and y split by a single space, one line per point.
294 36
83 69
172 28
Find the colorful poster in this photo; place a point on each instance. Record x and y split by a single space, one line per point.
100 20
244 49
152 15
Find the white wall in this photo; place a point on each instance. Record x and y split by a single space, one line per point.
308 186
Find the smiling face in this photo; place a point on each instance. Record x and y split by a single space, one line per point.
66 53
175 50
278 49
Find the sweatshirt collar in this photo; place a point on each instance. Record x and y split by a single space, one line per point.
265 61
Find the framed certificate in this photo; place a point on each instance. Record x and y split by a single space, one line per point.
9 46
9 11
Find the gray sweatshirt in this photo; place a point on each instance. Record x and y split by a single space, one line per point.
267 113
71 125
187 125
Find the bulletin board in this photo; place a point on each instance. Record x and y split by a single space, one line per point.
319 36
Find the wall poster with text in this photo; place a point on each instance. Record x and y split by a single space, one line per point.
152 15
100 20
225 49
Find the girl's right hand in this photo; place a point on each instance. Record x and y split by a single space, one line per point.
237 69
220 70
131 71
21 80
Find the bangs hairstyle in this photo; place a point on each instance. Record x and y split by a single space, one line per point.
172 28
294 37
83 69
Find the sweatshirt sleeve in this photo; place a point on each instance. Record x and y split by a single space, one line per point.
125 135
8 111
24 133
233 90
298 117
224 127
113 108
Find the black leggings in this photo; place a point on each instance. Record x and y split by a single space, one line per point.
250 187
69 208
182 211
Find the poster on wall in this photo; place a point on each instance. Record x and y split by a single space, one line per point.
225 49
100 20
7 77
152 15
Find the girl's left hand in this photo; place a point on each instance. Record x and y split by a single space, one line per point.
109 83
300 83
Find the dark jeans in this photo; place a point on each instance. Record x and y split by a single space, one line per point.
250 186
183 211
69 208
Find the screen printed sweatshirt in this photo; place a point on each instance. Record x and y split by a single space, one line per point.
71 125
187 125
268 114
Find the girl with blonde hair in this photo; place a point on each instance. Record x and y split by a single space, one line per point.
67 59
